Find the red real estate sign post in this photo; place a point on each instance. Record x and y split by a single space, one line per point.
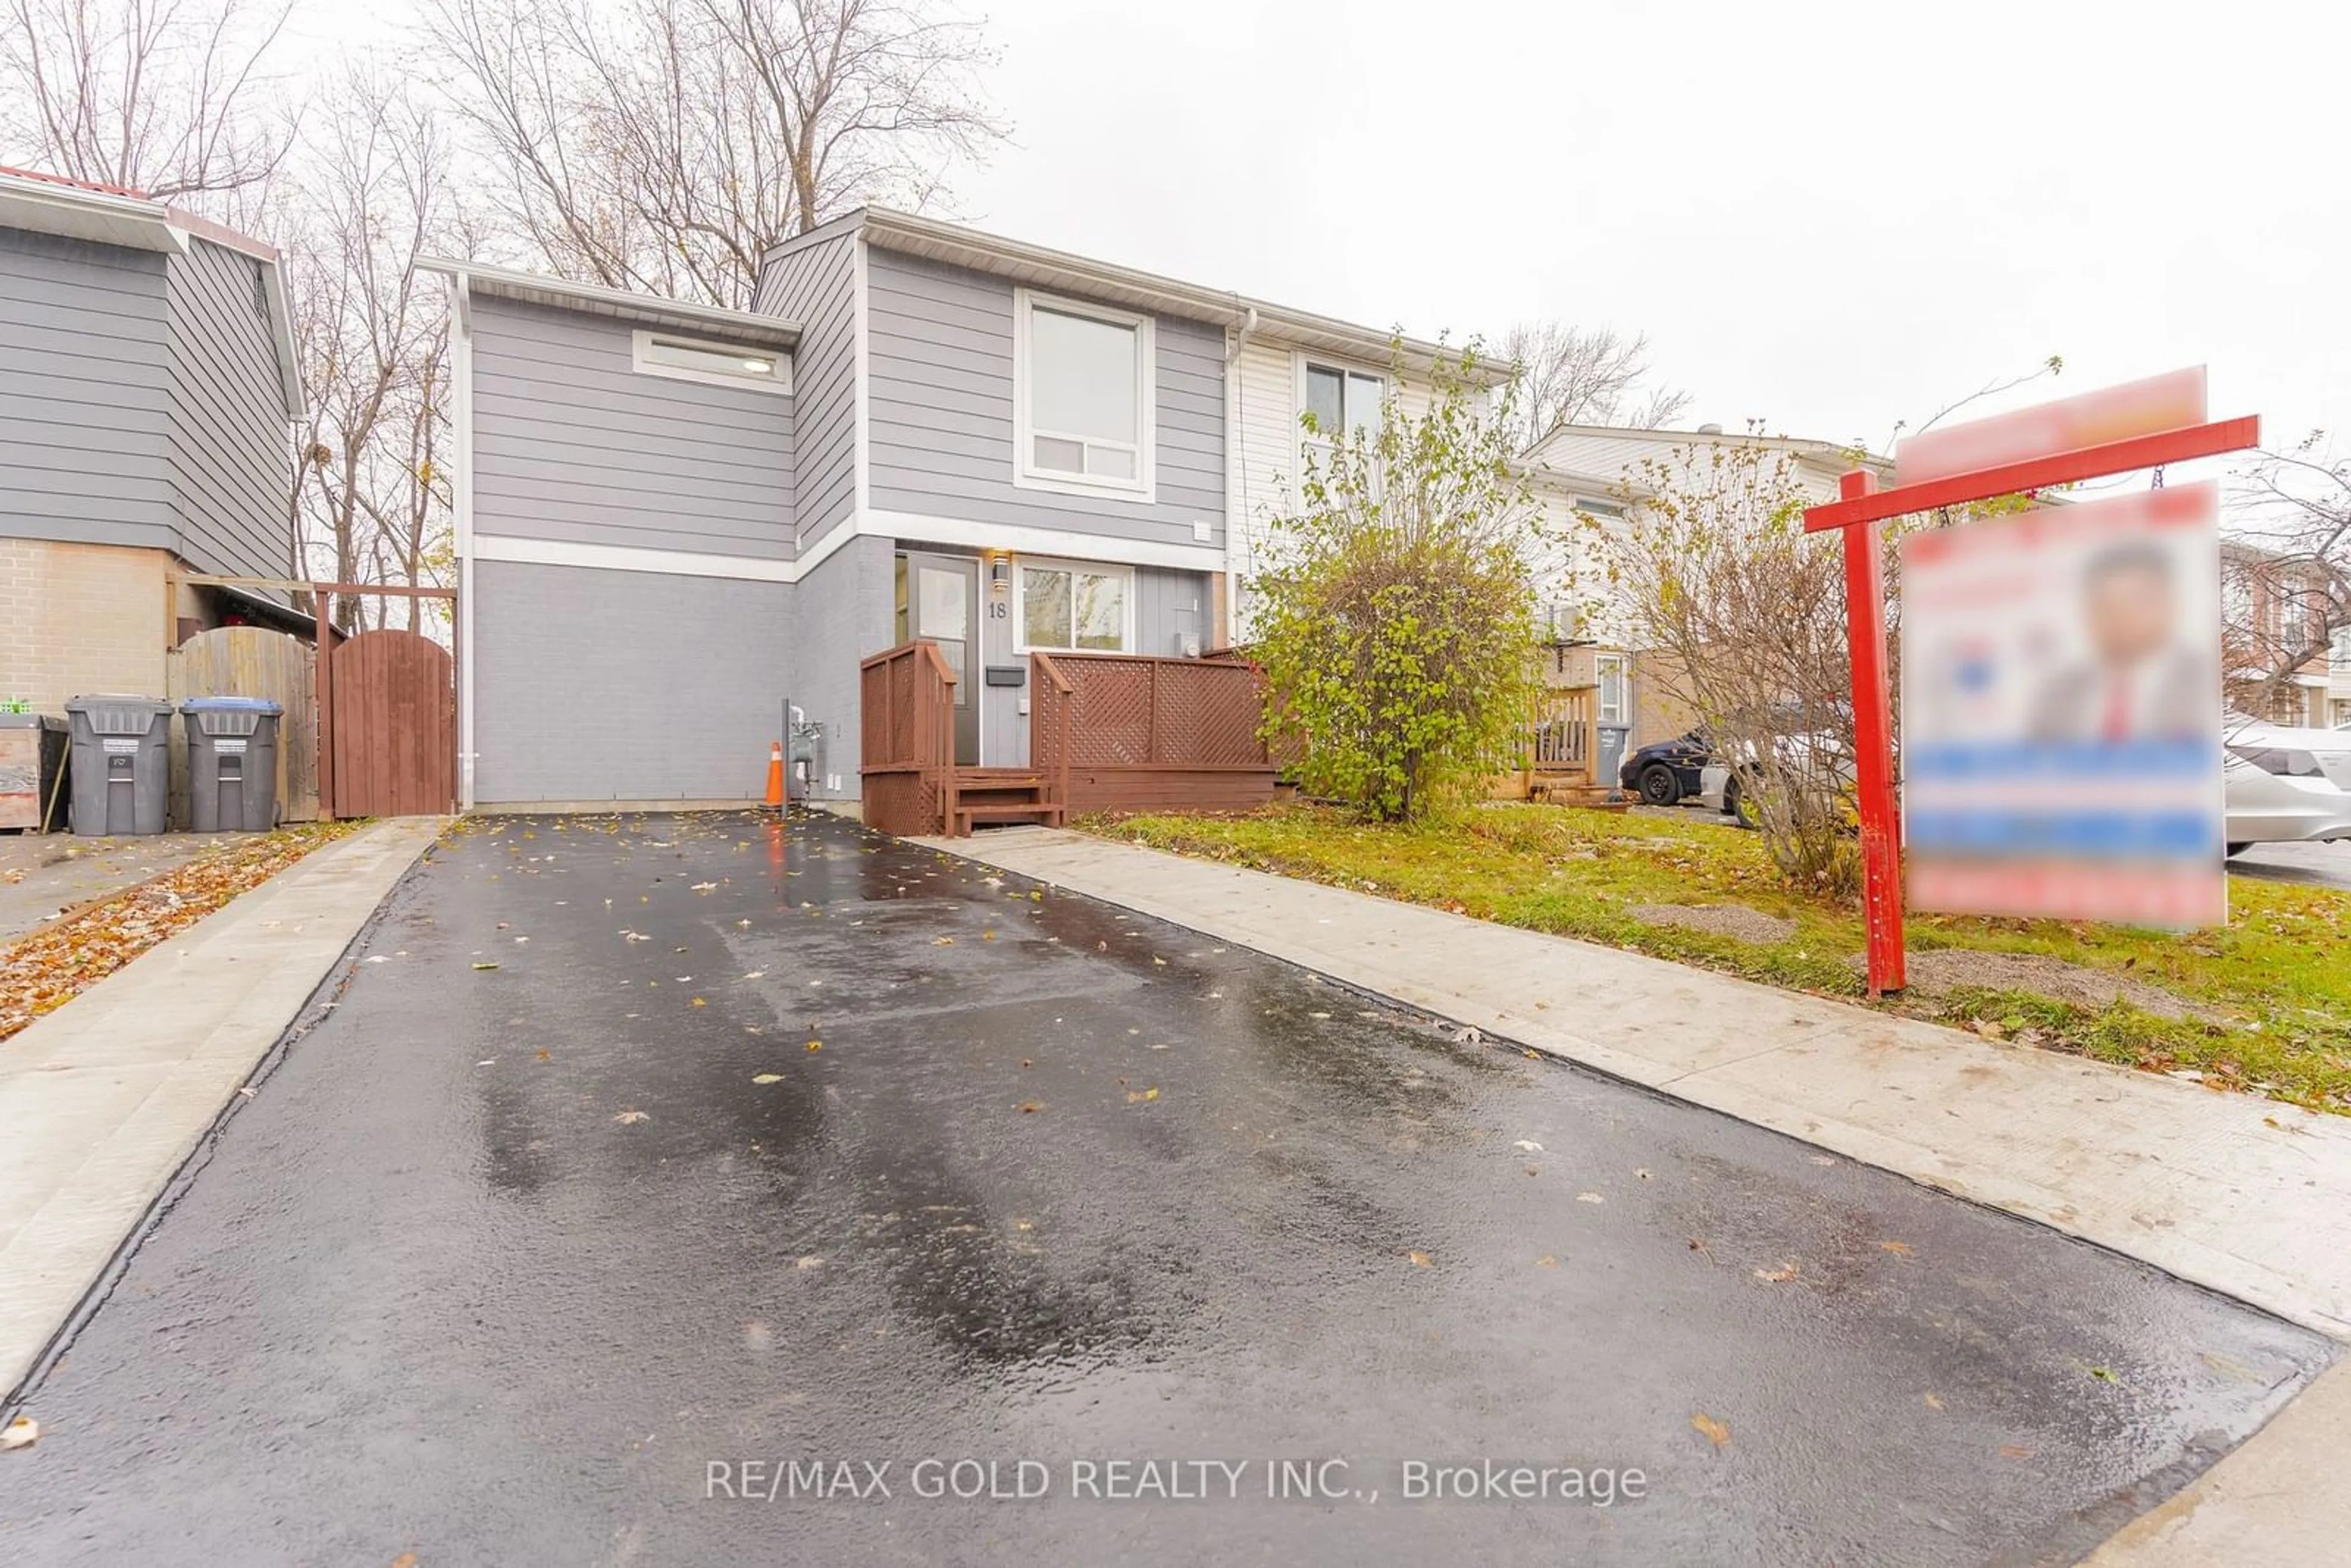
2144 425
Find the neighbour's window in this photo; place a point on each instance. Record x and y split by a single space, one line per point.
1599 508
1081 608
726 364
1343 401
1085 396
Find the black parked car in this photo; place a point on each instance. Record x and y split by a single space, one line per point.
1666 771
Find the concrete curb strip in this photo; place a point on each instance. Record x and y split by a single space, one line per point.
103 1099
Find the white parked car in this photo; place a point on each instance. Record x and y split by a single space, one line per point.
2285 785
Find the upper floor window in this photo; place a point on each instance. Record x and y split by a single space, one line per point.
1082 396
724 364
1343 402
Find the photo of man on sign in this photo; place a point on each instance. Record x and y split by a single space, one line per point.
2143 677
2061 712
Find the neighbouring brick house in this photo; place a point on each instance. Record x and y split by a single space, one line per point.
147 391
2274 608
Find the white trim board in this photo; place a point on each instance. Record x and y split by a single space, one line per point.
1028 540
1060 543
631 557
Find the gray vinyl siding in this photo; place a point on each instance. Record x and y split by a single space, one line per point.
624 685
815 284
939 413
231 444
83 393
847 610
572 444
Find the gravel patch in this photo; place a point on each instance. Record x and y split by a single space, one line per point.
1732 920
1949 968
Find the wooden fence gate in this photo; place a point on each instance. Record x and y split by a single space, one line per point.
388 724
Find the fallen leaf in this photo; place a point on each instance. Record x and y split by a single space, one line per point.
1716 1432
1420 1259
1780 1276
485 966
1030 1106
811 1262
2104 1374
547 1056
767 1078
627 1118
405 1560
1902 1249
1934 1401
942 941
1589 1197
1546 1261
697 1002
2016 1451
21 1433
816 1045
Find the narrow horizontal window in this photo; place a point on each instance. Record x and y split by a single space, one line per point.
701 360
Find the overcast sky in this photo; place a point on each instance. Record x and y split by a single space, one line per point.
1828 217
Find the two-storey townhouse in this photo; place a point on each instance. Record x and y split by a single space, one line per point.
148 392
675 521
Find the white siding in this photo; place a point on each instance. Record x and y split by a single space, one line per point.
1267 375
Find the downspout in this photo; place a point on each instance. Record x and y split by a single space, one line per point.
461 378
1237 551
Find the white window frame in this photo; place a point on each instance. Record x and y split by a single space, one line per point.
1603 665
1023 564
1300 363
1305 363
1026 475
777 381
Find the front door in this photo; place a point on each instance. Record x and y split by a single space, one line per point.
943 607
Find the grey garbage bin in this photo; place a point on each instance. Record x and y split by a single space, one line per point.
232 763
121 763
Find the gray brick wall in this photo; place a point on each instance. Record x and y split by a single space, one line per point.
594 684
847 609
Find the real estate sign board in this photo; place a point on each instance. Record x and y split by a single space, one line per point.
2060 702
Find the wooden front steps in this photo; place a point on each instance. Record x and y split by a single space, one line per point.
1001 795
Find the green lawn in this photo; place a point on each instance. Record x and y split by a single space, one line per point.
2273 989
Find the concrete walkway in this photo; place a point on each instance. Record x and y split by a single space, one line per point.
2245 1195
101 1101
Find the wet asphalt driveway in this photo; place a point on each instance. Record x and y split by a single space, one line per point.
761 1146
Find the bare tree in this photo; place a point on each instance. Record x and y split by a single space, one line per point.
1572 375
2286 571
665 144
370 496
1740 617
165 97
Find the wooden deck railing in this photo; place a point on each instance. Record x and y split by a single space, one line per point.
1127 732
1566 737
906 733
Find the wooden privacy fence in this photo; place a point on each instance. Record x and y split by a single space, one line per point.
1125 732
251 662
906 739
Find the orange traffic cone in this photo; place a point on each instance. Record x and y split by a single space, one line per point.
775 778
